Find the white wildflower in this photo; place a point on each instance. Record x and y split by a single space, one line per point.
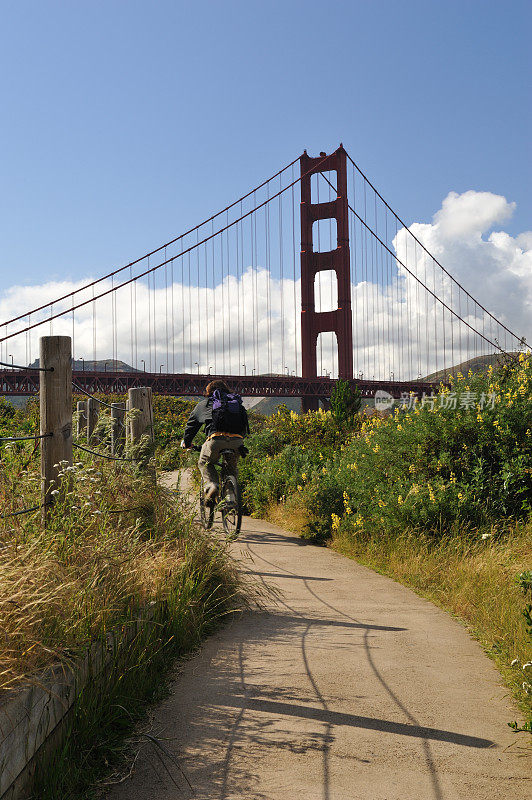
514 662
527 665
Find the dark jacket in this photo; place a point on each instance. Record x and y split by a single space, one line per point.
202 415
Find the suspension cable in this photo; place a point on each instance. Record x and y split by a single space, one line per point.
519 338
158 266
493 344
152 252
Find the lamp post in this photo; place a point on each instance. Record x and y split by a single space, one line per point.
11 357
196 365
143 362
253 371
245 371
161 368
83 363
210 369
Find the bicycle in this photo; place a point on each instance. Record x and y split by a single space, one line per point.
230 505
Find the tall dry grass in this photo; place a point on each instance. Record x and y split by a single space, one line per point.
115 542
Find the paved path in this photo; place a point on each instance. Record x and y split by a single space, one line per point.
347 687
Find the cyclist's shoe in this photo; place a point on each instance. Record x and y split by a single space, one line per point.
211 490
230 498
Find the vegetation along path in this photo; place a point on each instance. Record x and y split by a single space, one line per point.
345 685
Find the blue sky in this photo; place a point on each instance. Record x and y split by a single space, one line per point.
125 122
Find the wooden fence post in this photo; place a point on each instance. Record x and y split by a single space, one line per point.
93 408
81 425
56 414
118 415
141 421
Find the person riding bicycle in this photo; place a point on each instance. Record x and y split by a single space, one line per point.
225 421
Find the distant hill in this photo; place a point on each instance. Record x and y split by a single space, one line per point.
106 364
478 364
269 405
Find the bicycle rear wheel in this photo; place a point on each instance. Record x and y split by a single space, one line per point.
206 509
232 507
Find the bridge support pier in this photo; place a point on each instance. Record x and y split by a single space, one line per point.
338 260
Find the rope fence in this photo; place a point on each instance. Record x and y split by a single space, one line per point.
24 511
101 455
82 391
56 425
26 369
24 438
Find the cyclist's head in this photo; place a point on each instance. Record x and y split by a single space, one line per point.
213 385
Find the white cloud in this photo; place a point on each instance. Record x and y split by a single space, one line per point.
245 320
495 267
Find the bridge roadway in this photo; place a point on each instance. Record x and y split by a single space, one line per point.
26 382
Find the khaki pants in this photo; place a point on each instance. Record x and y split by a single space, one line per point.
210 453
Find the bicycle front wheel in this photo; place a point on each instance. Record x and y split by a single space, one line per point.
206 509
232 507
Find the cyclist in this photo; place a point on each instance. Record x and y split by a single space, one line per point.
225 421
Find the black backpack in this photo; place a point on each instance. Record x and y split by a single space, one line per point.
228 413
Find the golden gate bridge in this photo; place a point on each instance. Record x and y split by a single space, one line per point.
308 277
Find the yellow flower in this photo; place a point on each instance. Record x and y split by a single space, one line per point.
335 521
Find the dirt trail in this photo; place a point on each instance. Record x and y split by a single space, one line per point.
348 687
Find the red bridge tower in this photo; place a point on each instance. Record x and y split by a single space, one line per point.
339 321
